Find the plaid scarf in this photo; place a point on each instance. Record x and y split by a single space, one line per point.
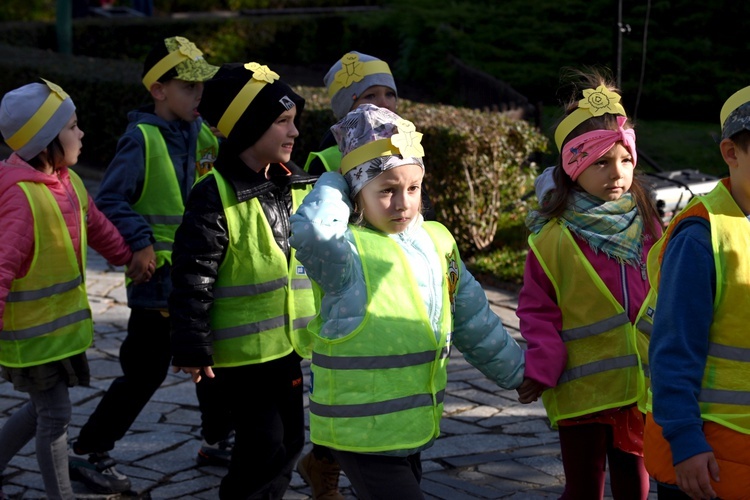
612 227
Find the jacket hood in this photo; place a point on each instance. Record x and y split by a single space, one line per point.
15 170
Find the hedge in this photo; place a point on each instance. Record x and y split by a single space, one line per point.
476 161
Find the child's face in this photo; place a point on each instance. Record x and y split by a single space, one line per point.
378 95
276 143
71 140
609 177
392 200
182 99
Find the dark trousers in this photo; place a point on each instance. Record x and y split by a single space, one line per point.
144 358
268 416
382 477
585 450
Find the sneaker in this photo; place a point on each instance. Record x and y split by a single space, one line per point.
219 453
321 475
98 473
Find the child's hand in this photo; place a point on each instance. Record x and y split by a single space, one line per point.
529 391
693 476
142 266
195 371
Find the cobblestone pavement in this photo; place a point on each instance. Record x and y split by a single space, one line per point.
491 445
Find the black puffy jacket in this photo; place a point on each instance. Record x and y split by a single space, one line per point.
201 242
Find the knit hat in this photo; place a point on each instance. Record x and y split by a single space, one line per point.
176 57
351 76
243 100
373 140
735 114
33 115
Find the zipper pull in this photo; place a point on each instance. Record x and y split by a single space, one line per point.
642 264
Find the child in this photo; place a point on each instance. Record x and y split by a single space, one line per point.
583 295
46 221
396 295
239 292
353 80
165 148
698 436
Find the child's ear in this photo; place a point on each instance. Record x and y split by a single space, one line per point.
157 91
729 152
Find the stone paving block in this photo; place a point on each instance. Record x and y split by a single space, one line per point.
439 490
482 397
471 485
180 393
454 406
528 426
183 416
169 462
510 469
183 489
104 368
550 465
450 426
474 444
477 413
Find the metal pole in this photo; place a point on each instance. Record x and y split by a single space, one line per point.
64 27
618 54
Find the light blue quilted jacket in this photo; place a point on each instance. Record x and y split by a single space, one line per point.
325 246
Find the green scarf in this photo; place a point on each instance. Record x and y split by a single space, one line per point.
612 227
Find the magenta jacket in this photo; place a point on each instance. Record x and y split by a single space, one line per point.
17 223
541 318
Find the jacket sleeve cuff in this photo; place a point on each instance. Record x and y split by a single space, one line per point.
689 442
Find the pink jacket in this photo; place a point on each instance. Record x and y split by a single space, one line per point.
17 223
541 318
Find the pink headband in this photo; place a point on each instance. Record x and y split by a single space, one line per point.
581 152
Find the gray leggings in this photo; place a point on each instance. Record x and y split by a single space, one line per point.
45 416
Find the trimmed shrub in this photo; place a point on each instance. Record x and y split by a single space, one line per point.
477 163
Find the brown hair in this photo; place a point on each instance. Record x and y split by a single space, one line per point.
53 155
557 201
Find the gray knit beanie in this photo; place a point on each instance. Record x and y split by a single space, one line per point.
32 116
351 76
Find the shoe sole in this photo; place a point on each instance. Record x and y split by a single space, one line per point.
89 477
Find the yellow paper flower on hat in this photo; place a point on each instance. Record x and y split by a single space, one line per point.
262 72
600 101
56 89
188 48
408 140
352 70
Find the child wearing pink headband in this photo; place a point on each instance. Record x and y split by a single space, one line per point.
580 307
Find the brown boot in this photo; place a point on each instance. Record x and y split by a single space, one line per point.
321 475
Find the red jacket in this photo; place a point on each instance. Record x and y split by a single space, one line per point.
16 223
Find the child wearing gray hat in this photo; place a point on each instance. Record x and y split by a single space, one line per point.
394 298
47 219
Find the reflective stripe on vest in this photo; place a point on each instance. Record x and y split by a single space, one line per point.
161 202
604 349
381 387
330 158
47 315
261 301
725 391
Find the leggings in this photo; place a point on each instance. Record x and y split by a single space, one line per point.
44 417
586 448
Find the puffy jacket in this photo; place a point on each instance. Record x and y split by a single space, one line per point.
122 185
17 242
201 242
325 246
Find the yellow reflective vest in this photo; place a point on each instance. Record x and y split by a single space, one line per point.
725 390
261 301
331 159
381 387
47 315
161 202
605 350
